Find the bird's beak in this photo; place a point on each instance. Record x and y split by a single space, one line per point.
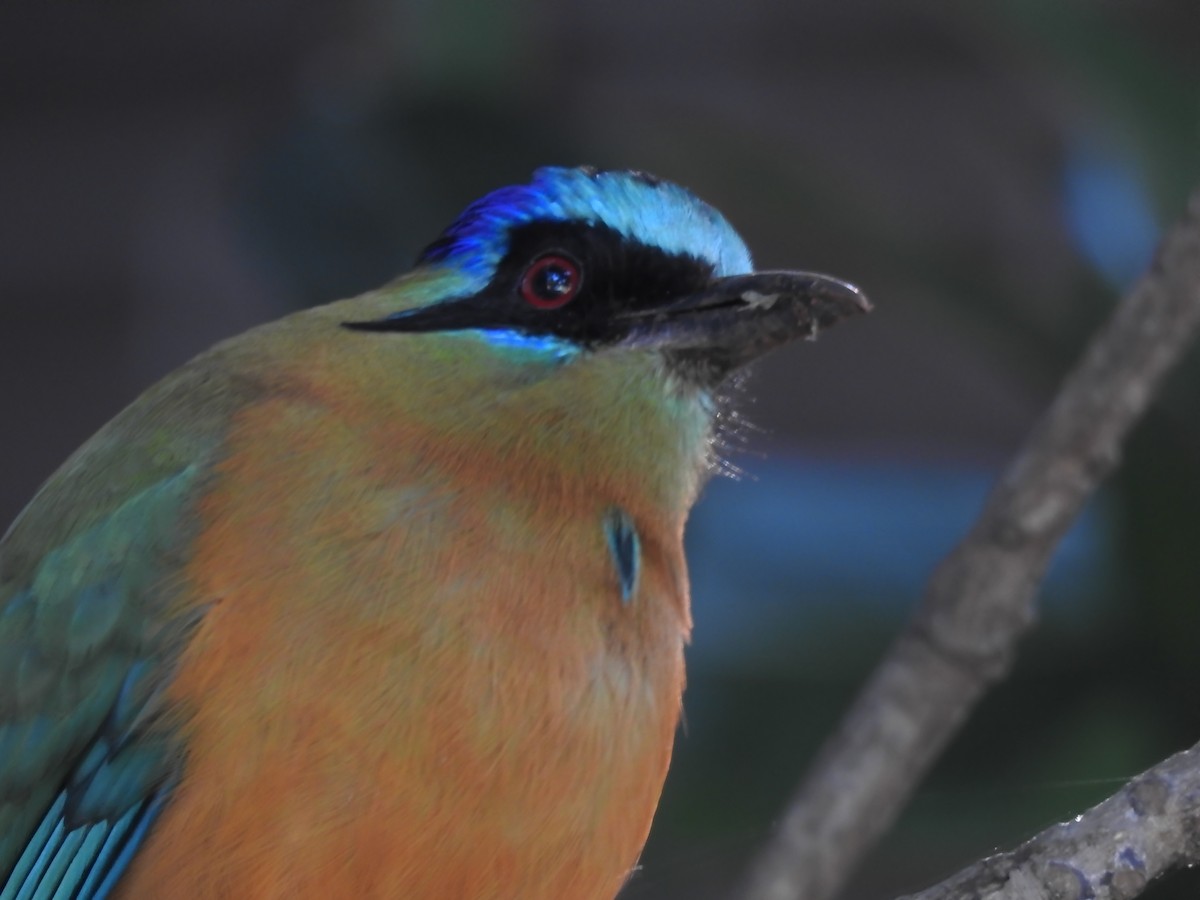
739 318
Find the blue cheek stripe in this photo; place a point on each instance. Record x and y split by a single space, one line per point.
540 344
626 549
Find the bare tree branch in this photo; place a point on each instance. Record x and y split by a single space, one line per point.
980 599
1111 852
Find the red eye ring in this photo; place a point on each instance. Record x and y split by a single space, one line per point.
551 281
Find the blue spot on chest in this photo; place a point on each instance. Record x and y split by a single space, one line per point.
626 549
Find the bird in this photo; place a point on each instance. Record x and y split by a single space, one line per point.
388 598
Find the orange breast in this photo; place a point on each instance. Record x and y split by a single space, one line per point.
412 680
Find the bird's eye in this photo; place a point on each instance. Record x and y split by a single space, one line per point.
550 282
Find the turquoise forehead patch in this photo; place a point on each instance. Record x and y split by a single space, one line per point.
640 207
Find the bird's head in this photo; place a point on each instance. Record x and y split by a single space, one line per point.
583 261
592 312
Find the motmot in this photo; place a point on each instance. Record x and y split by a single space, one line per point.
388 598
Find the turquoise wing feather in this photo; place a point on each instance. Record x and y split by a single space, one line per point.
91 624
85 650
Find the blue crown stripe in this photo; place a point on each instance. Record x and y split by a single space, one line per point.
639 207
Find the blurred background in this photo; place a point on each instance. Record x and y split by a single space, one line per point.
993 176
